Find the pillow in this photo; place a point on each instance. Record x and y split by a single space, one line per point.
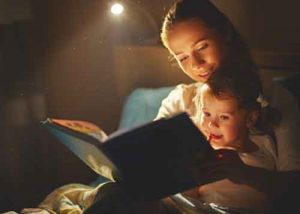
142 105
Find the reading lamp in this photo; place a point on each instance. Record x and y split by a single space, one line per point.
130 13
117 9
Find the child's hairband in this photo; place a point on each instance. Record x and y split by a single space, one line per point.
262 101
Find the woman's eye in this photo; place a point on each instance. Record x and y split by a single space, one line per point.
181 59
202 47
224 117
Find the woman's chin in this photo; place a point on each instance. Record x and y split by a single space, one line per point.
200 79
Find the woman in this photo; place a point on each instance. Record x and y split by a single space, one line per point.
202 39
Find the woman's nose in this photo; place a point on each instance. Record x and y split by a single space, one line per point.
197 61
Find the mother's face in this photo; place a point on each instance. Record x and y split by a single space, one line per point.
198 49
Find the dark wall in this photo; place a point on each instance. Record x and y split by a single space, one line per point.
53 65
59 63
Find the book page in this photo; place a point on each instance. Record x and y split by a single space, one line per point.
77 138
83 127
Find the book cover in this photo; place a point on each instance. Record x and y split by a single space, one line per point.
150 161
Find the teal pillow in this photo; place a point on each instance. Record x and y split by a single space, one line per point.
142 105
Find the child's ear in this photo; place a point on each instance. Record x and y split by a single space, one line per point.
252 118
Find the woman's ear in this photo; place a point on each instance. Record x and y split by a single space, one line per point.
252 118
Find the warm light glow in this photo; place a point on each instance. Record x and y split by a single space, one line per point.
117 9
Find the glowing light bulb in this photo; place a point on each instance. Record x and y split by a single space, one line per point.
117 9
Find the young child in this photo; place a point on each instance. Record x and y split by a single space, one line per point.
232 115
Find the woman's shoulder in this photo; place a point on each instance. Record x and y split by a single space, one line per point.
187 88
180 99
184 92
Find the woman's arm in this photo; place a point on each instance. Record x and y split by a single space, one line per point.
281 187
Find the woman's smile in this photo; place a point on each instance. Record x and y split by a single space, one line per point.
205 75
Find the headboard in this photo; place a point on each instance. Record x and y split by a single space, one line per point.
276 63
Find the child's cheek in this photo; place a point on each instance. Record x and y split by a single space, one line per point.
203 123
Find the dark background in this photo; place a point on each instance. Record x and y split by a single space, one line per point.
58 59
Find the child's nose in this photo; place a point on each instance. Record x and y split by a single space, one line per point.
213 124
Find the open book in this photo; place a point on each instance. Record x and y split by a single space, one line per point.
150 161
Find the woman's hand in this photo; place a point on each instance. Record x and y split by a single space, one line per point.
226 164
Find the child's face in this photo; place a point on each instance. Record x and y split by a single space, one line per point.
223 121
198 49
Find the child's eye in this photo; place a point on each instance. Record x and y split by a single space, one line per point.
224 117
206 114
202 47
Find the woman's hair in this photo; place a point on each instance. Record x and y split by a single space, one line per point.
213 18
245 87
